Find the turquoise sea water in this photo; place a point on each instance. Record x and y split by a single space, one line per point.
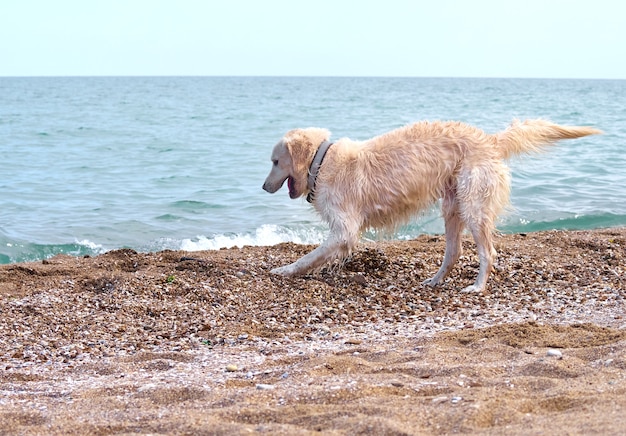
93 164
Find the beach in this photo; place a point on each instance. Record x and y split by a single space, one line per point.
208 342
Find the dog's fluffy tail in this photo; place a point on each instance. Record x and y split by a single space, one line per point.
534 135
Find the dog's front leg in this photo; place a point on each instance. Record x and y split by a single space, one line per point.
331 249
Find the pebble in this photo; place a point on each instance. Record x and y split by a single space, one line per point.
231 368
147 387
360 279
353 342
264 387
554 353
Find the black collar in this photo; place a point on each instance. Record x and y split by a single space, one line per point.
315 168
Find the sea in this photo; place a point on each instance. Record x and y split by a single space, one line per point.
91 164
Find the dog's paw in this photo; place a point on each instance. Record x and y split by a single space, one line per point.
472 289
432 282
277 271
284 271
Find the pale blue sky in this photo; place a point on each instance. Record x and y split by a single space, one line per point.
472 38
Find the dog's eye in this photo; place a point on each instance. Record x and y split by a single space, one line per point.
275 162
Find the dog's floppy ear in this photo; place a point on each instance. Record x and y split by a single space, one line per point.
302 145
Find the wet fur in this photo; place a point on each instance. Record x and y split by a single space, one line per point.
382 182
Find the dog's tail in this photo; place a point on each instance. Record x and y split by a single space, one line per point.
533 136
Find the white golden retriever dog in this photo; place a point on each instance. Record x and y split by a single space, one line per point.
384 181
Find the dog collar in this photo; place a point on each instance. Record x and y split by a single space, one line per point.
315 168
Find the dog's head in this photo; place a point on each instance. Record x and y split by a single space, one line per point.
291 158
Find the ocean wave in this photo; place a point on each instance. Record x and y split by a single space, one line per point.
270 234
267 234
17 251
566 222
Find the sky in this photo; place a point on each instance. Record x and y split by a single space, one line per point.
414 38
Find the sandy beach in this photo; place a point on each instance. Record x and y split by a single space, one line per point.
210 343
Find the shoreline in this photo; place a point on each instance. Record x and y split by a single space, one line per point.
20 251
192 341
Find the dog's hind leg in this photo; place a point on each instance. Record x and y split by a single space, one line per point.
454 227
483 193
483 236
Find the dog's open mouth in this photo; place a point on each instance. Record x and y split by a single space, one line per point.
291 185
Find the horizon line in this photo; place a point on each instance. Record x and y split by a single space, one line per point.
298 76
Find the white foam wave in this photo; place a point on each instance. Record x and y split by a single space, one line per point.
267 234
91 245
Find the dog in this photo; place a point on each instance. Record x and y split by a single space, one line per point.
382 182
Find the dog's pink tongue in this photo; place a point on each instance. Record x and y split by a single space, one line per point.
290 182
